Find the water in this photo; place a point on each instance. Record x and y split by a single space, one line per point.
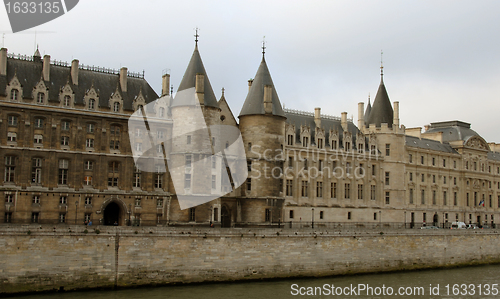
462 278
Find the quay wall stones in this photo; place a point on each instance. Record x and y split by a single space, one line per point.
45 258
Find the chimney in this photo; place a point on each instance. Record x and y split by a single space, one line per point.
46 67
250 84
3 62
317 117
343 121
165 84
200 88
361 115
123 79
268 99
74 71
426 128
396 114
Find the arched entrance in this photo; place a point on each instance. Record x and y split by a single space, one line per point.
225 216
112 215
436 220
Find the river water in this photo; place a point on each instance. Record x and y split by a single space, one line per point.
468 282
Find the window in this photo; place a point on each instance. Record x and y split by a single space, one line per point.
321 214
159 203
136 182
14 93
36 171
8 217
40 98
454 164
305 164
12 120
90 128
64 140
116 107
348 168
433 178
387 149
161 112
444 179
113 174
268 215
373 169
433 161
291 214
289 139
88 200
88 165
347 146
89 142
372 192
11 137
39 123
455 181
305 186
411 196
319 189
38 139
9 198
347 194
434 201
320 143
192 214
35 216
63 200
360 148
468 199
305 141
138 147
91 104
445 198
158 177
87 180
87 217
411 177
65 125
444 162
188 140
422 160
410 158
63 171
36 199
137 201
387 198
214 182
289 188
360 191
348 215
187 181
423 178
333 190
188 161
423 197
10 167
62 217
160 134
66 101
387 178
114 142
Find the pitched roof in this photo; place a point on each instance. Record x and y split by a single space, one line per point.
254 103
452 130
381 111
429 144
195 67
367 111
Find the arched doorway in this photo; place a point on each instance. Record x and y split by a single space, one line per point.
225 216
436 220
112 215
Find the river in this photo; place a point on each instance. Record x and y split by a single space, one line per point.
468 282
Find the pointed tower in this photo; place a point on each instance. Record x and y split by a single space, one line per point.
368 110
262 126
381 111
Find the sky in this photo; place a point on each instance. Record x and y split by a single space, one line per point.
441 58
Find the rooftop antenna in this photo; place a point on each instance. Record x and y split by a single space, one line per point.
196 35
263 46
381 63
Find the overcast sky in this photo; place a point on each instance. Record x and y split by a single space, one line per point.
441 58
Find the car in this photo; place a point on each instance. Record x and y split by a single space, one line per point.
429 227
458 225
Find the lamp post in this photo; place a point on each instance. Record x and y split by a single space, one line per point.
312 217
405 219
129 208
76 211
380 218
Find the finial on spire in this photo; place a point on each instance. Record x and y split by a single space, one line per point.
263 45
381 63
196 35
368 98
223 89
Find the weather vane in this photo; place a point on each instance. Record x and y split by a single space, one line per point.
196 35
263 45
381 63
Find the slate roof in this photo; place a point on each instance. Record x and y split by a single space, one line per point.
326 123
452 130
29 74
367 111
429 144
381 111
195 67
254 103
494 156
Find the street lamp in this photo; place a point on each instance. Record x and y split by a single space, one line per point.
380 218
76 210
312 217
405 219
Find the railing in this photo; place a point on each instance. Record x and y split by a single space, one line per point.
20 56
306 113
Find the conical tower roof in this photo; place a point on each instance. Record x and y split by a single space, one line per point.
195 67
368 110
254 103
381 111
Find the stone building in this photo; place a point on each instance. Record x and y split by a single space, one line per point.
69 155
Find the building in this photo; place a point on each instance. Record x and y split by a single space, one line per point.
68 156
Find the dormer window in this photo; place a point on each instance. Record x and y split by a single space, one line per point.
320 143
40 98
116 107
66 101
305 141
289 139
14 93
161 112
91 104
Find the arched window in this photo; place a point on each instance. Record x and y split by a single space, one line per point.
116 107
14 94
91 104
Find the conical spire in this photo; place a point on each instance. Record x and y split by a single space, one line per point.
368 110
254 103
195 67
381 111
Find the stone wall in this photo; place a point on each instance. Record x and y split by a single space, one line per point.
37 258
